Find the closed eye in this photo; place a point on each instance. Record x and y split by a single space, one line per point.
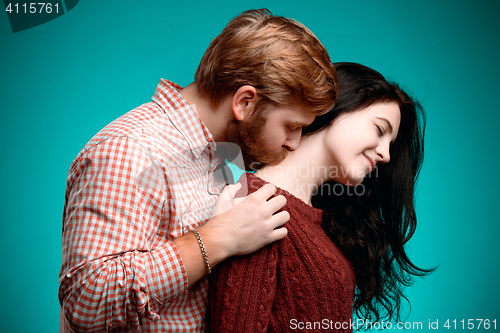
380 130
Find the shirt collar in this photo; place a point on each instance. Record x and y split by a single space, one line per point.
183 117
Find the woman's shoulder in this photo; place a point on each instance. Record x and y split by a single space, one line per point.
249 184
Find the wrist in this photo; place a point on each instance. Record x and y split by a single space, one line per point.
203 251
216 241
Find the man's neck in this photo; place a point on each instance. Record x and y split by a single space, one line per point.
215 119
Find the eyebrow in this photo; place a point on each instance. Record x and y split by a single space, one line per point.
388 124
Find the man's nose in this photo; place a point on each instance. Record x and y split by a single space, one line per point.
293 140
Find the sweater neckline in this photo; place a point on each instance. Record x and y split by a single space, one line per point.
291 199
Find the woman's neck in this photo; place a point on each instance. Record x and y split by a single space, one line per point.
301 172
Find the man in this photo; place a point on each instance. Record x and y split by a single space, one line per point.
138 236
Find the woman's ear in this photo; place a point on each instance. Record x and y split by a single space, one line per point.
244 101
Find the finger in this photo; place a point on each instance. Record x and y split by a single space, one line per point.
265 192
279 233
276 203
279 219
232 189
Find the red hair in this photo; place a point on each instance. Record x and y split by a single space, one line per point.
281 58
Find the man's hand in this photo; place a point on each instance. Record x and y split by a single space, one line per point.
227 200
249 225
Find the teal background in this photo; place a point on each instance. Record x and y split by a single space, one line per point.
64 80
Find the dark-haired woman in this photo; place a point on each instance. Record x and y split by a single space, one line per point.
350 192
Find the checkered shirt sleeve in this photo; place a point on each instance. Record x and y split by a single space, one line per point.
121 271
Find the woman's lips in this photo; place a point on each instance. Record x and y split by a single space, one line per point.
371 163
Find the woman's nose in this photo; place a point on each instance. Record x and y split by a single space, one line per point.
383 154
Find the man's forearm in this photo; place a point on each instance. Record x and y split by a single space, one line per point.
243 229
119 290
192 256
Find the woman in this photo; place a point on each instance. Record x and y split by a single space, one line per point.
349 189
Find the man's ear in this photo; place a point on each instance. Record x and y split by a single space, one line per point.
244 101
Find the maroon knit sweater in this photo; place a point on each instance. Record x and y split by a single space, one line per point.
300 282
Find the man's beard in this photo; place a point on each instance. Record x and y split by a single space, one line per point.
248 135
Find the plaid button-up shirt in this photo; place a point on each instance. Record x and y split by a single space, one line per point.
143 180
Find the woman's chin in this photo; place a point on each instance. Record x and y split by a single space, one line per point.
351 182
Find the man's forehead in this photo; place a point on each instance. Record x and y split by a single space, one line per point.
296 115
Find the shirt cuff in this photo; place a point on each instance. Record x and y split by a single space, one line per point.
165 275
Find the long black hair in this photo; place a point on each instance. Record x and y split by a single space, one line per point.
371 224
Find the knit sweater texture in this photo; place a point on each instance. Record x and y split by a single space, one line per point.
301 283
